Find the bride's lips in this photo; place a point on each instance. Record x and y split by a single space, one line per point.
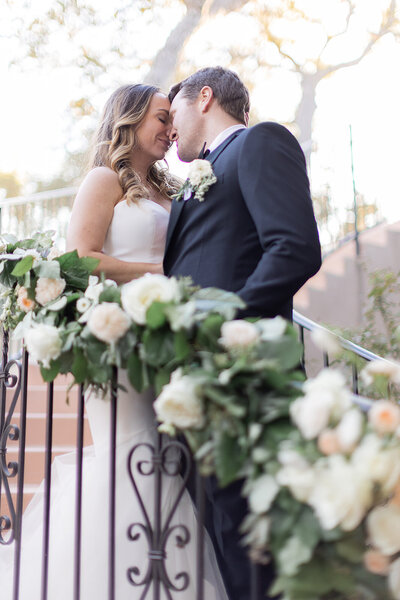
166 143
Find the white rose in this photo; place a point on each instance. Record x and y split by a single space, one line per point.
381 465
331 385
326 341
198 170
349 430
24 303
394 579
311 414
138 295
238 334
341 494
263 492
179 403
299 480
383 368
43 343
48 289
108 322
383 525
384 416
272 329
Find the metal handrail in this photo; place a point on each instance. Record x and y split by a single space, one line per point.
38 197
310 325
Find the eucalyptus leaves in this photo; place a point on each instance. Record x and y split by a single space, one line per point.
322 478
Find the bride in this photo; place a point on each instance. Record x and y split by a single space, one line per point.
120 216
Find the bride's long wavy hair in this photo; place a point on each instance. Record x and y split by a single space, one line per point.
116 137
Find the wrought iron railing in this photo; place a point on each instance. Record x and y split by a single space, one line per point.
155 529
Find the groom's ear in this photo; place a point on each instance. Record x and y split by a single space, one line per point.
206 97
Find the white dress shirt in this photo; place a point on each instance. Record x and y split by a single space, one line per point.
221 137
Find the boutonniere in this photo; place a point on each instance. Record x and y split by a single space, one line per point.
200 178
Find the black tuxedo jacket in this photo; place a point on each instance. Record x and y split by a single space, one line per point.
255 231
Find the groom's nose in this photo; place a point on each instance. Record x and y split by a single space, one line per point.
173 134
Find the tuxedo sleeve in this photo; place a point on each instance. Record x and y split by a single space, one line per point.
274 184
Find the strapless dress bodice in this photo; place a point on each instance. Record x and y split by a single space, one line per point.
137 231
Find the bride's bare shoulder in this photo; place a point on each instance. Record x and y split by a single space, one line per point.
101 181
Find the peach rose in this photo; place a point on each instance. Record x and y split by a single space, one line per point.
48 289
376 562
328 442
384 416
24 303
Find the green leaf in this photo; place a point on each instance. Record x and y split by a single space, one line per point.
110 294
229 458
135 371
155 315
162 378
68 261
182 347
293 554
217 300
158 347
23 266
48 268
352 547
286 351
79 366
209 332
89 263
49 374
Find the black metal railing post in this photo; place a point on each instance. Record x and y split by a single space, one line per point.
112 495
78 499
47 491
201 507
21 475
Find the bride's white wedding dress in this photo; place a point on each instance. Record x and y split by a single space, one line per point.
137 233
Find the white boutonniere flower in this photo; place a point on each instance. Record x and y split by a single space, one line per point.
200 178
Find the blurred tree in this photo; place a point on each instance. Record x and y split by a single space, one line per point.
307 37
10 185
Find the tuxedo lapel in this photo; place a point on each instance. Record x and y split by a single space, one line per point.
176 210
212 157
177 207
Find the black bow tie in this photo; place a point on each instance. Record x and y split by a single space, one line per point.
203 152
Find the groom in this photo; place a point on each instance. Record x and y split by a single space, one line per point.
254 233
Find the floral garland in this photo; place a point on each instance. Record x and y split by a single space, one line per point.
322 477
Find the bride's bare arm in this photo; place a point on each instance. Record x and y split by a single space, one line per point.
91 216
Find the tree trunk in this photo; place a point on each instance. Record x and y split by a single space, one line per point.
164 65
305 111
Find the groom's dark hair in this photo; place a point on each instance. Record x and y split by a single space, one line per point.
229 91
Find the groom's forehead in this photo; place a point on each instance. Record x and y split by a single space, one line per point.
179 101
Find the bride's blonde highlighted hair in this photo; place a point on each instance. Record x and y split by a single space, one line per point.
116 137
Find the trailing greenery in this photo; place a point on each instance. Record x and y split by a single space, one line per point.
321 477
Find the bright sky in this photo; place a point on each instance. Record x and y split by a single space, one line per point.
34 128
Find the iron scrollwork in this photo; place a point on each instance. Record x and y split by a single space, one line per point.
8 432
159 532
